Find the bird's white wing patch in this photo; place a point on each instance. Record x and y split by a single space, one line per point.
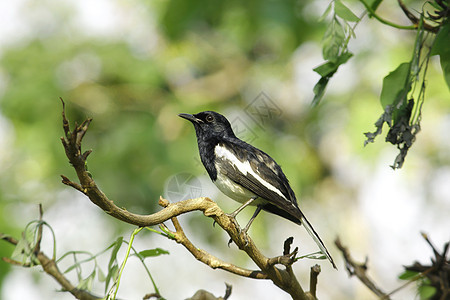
245 168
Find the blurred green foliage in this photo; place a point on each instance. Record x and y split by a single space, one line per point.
134 99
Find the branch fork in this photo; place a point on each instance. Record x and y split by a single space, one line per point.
284 278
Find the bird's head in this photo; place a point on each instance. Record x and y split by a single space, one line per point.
209 124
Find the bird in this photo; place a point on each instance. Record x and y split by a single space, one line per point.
246 174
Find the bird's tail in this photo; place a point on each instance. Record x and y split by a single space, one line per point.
317 239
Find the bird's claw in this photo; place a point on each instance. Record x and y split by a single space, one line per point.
241 232
244 236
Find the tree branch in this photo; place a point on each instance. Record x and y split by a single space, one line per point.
359 270
209 259
283 278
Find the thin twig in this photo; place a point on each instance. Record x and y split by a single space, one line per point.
68 182
359 270
37 247
8 239
313 278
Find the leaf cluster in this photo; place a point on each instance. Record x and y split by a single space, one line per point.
432 279
403 90
335 44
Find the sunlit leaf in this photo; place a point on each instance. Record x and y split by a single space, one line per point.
86 284
112 274
344 12
326 70
118 244
101 276
325 13
331 49
21 251
75 265
314 255
153 252
333 41
112 265
329 68
373 4
395 85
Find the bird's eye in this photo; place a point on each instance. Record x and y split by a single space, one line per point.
209 118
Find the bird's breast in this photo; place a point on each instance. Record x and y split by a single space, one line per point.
234 190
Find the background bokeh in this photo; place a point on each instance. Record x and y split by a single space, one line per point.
134 65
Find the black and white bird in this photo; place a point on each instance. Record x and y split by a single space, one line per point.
245 173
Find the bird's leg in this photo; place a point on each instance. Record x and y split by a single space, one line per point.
237 211
240 208
244 231
258 209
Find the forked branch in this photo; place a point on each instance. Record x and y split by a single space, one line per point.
359 270
284 277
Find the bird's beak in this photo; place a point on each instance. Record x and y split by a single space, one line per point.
191 118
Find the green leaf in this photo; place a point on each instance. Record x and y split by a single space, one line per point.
325 13
329 68
113 269
314 255
319 90
112 273
22 251
373 4
86 284
440 45
153 252
118 244
426 291
445 65
407 275
75 265
344 12
395 85
326 69
339 30
333 40
101 276
330 49
441 48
